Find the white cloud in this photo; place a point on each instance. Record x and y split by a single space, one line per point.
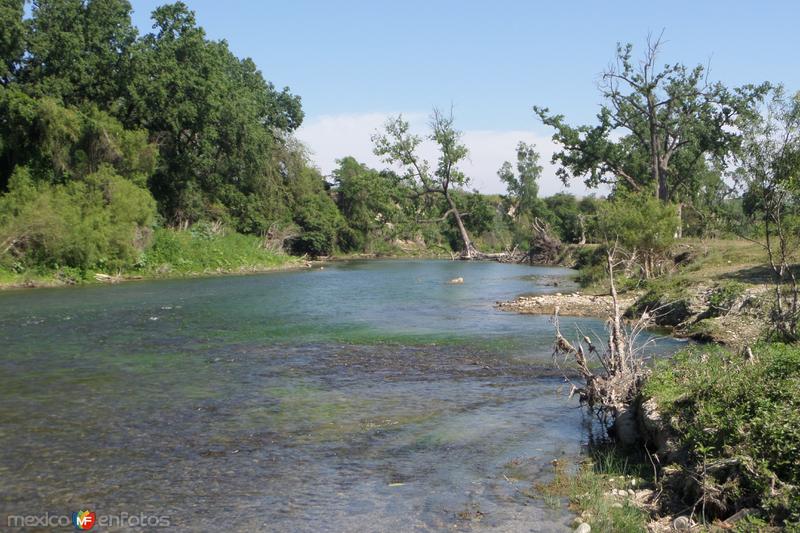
331 137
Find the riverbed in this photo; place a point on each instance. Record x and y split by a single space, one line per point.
365 395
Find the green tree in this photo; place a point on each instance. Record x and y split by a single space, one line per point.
222 129
12 38
368 200
522 186
79 51
641 225
397 145
769 170
76 195
671 120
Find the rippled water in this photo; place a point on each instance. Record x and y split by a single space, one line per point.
370 396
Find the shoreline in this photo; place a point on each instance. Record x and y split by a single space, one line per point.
738 327
28 280
100 278
567 304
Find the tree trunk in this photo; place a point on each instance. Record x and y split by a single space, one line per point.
469 249
663 186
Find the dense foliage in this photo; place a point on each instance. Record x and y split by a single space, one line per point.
107 135
740 424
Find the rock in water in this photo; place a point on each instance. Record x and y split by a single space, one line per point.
583 528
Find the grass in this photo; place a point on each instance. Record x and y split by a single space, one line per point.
720 259
709 261
190 252
172 253
589 490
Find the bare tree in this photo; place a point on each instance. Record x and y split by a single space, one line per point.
611 390
769 170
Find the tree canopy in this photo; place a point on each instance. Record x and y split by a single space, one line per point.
658 129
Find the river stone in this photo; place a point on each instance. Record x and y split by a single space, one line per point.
658 431
681 523
583 528
625 426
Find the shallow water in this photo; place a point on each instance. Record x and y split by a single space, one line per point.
369 395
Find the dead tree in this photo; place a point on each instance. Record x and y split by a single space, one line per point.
611 390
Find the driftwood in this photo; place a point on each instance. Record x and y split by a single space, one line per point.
610 392
546 247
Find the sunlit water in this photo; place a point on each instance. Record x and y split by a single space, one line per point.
368 396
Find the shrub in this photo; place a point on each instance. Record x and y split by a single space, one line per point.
743 415
642 225
98 222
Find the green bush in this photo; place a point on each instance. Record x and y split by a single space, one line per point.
320 222
642 226
200 249
101 221
725 408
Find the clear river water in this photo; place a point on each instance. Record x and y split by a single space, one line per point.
365 396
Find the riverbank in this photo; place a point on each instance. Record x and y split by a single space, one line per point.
569 304
718 450
719 420
172 254
29 280
717 292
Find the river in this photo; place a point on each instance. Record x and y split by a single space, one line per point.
364 396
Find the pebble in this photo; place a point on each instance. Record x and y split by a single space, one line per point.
583 528
681 524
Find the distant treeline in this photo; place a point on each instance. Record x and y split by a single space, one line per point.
107 135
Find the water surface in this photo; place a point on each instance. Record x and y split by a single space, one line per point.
368 395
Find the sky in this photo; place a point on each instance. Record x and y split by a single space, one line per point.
356 63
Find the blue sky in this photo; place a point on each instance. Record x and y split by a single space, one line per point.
354 63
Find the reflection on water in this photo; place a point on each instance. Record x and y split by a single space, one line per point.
365 396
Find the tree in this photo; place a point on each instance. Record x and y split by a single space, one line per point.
522 187
672 120
79 51
769 170
222 129
12 38
77 193
367 199
397 145
640 226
